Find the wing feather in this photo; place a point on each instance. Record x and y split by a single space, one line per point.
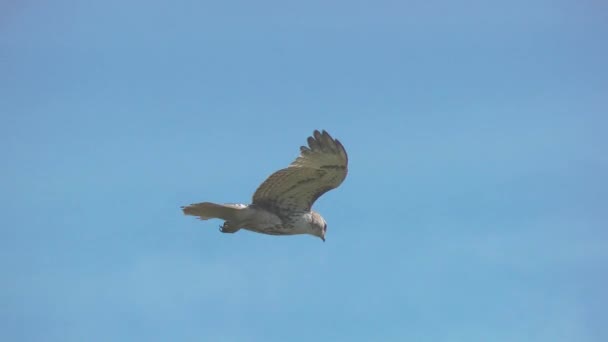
320 167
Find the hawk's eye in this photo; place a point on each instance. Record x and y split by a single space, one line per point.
325 227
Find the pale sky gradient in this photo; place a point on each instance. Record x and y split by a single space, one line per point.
475 209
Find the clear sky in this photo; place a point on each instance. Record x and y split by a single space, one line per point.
476 207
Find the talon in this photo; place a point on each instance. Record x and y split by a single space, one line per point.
222 228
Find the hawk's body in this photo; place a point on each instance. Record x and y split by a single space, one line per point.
282 204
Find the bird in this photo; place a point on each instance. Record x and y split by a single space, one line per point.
282 204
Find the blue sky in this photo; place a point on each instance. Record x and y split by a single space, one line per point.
474 210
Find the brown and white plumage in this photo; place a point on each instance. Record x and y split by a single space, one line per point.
282 203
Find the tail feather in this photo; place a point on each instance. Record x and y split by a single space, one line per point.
208 210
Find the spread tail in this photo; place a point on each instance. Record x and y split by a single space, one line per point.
208 210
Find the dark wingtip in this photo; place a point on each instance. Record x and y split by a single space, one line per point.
321 139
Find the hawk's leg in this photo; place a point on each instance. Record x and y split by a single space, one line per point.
226 228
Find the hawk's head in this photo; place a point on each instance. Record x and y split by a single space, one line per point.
318 225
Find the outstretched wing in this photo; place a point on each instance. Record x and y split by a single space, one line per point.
321 166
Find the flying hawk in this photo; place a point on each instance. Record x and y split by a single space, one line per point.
282 204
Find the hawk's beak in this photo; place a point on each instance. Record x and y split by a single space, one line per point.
323 238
